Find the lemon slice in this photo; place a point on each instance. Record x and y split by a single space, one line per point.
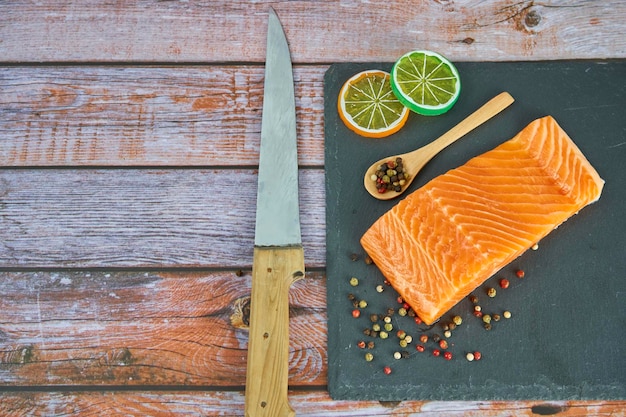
425 82
368 106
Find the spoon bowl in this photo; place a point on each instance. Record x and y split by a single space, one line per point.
415 160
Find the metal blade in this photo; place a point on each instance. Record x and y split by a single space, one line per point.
277 215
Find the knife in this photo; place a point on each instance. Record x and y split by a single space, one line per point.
278 258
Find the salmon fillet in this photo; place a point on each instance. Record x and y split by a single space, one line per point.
445 239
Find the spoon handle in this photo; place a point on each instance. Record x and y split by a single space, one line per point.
480 116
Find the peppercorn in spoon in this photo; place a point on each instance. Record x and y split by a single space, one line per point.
412 162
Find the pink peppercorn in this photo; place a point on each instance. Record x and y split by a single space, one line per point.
447 355
387 370
477 355
436 352
520 273
356 313
420 348
504 283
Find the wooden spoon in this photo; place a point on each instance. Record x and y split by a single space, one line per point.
415 160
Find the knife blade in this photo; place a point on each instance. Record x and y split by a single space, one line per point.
278 258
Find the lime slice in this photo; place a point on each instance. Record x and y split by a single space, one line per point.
368 107
425 82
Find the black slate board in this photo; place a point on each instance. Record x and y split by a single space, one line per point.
567 336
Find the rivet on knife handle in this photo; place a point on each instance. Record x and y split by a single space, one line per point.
273 272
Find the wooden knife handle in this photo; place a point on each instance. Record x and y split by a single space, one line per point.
273 272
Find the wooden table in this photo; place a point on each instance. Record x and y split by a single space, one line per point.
129 137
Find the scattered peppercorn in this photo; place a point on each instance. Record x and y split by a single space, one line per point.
383 335
361 344
402 311
388 327
354 281
380 288
387 370
362 303
436 352
457 320
447 355
408 338
473 299
403 343
487 318
504 283
369 357
370 344
496 317
368 260
477 355
420 348
397 355
373 318
424 338
487 326
376 327
443 344
507 314
491 292
356 313
417 320
520 273
469 356
447 334
401 334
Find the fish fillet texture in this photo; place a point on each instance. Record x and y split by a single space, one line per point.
445 239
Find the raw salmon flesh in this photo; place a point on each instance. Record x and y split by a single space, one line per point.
445 239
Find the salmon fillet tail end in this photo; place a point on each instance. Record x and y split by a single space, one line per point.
445 239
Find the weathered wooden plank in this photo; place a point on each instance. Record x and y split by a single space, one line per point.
329 31
145 328
142 218
316 403
125 116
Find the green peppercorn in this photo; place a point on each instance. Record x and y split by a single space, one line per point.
354 281
403 343
487 318
408 338
362 304
376 327
388 327
369 356
457 320
383 335
491 292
